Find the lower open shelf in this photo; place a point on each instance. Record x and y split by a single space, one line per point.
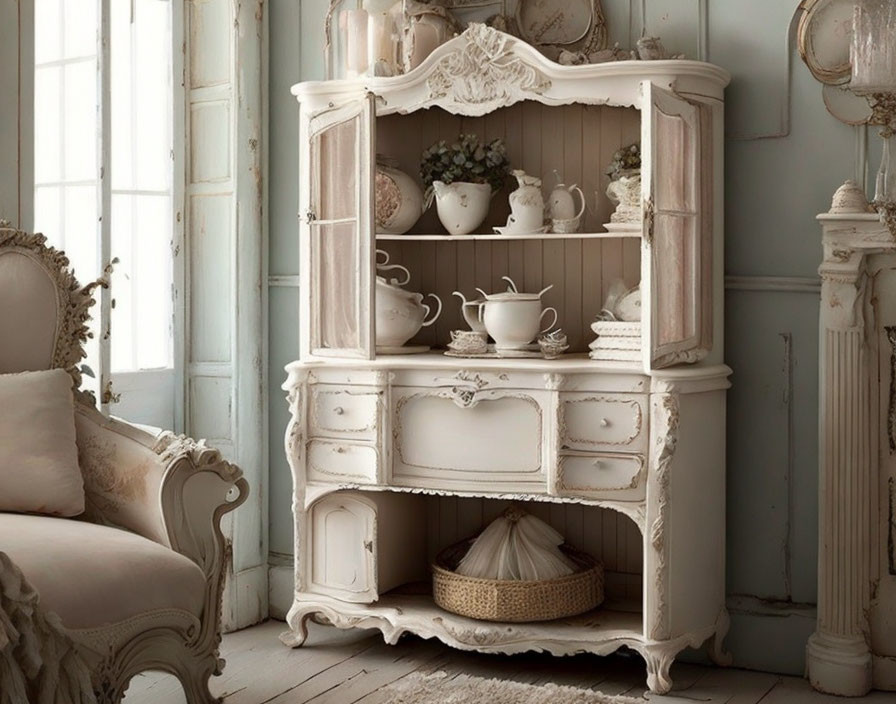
411 609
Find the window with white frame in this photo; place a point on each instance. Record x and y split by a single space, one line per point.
104 182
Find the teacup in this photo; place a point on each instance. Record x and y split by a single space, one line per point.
468 342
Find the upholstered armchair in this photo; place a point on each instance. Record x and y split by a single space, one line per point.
137 578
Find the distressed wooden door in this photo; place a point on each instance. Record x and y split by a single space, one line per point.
337 227
676 261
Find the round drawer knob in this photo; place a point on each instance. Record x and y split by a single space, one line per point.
597 463
339 410
604 422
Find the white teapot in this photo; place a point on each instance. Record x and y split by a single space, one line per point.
562 211
400 314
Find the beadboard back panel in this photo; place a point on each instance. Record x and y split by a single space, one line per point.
580 270
605 534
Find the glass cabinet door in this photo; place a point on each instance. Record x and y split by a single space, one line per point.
338 225
676 261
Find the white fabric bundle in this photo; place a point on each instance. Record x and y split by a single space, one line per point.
519 546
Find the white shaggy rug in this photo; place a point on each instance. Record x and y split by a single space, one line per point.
420 688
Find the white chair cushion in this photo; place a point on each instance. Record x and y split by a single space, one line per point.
39 470
92 576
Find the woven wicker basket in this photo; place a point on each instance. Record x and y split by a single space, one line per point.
516 601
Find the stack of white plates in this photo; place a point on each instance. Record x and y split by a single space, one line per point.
616 341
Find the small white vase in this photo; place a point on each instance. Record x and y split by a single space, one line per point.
461 206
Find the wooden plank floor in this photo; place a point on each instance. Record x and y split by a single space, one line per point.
345 667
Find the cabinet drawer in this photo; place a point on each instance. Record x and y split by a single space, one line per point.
490 439
337 410
341 462
614 475
603 421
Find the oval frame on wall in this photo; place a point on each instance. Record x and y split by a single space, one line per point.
824 34
555 25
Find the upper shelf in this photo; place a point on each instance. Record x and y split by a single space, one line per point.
484 69
505 238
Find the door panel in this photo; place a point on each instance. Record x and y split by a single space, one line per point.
338 223
677 245
343 548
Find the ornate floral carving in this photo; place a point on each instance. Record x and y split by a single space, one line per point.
171 447
667 440
74 300
485 73
887 213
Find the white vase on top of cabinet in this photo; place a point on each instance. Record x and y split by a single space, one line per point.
626 458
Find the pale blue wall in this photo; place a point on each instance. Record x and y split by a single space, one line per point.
785 157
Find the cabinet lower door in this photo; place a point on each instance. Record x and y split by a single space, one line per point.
341 544
469 440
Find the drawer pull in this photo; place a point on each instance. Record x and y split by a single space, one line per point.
368 546
339 449
597 463
339 410
604 423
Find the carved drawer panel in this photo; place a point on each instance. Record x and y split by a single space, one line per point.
463 439
603 422
620 477
343 411
341 462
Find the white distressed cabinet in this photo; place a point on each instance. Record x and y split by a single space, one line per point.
395 457
854 645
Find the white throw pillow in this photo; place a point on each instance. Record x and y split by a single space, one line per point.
39 470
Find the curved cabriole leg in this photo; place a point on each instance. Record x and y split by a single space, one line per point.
196 689
658 660
716 649
298 630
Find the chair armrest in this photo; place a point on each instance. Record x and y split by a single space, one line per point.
170 489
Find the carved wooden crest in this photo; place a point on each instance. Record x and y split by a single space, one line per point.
74 301
484 73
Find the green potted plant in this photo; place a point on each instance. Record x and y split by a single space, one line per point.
461 177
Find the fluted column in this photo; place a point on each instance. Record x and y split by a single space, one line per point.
838 655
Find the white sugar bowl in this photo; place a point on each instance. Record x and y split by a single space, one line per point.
513 319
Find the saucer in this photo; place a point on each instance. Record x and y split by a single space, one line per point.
531 347
507 231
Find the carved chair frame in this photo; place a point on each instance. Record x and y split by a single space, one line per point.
188 488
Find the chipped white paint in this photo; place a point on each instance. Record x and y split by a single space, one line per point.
427 424
854 510
221 258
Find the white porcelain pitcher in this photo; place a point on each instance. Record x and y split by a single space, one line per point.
526 205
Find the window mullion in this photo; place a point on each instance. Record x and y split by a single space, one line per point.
104 232
135 270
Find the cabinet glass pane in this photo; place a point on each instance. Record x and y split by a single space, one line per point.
336 193
674 259
335 251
